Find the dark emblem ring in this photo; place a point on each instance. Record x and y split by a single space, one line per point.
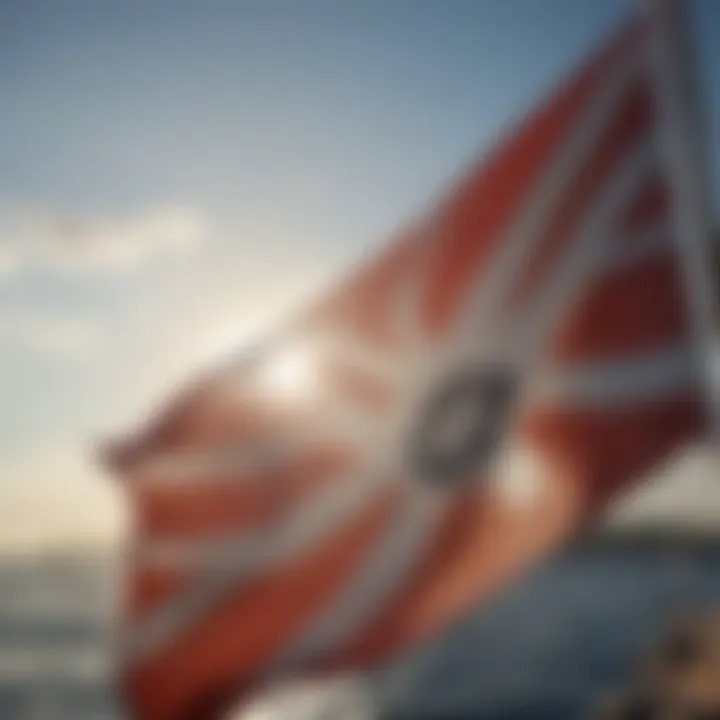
462 424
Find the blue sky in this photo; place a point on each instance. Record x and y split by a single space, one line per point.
176 172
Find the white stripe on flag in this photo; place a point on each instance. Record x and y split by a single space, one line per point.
615 383
538 319
624 252
385 569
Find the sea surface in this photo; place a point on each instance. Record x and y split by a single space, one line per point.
549 647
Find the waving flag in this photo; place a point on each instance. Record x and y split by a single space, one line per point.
402 448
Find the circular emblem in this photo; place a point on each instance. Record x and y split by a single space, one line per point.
462 424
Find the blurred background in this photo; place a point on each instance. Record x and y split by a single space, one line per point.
175 174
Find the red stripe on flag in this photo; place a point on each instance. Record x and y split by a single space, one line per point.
650 204
634 309
360 387
150 587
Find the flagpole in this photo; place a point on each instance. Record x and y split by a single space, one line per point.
683 151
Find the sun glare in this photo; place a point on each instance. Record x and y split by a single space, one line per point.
520 476
290 373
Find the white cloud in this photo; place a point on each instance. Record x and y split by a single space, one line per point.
37 237
64 337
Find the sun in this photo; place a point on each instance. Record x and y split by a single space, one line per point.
290 372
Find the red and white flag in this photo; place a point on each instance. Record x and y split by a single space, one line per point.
450 412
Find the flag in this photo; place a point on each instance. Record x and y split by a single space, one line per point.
400 449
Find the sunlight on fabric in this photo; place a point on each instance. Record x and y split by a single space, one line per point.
520 476
290 373
346 698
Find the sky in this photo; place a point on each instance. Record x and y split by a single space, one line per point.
177 173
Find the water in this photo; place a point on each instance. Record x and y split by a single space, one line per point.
55 637
547 648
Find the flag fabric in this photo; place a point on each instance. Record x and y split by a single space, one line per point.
402 448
